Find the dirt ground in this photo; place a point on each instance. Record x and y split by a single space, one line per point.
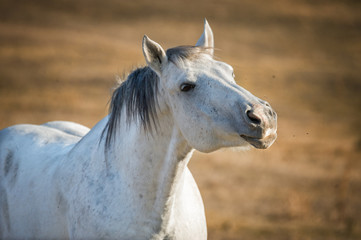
59 59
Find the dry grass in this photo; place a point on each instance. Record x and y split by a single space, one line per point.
58 60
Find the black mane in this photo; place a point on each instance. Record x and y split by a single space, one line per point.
138 94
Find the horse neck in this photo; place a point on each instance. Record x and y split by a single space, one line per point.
152 165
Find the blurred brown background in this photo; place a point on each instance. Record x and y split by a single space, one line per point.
58 61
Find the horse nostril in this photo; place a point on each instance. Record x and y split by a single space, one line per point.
253 117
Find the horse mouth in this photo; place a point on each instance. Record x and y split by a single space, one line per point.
261 143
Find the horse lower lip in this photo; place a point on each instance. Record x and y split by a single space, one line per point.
250 138
256 142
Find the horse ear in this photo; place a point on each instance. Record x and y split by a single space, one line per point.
206 40
154 54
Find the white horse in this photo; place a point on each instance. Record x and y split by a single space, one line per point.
127 178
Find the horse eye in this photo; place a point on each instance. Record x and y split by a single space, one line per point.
185 87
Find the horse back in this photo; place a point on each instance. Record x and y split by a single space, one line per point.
30 143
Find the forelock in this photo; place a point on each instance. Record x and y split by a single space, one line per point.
184 53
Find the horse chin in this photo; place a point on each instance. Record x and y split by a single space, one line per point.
261 143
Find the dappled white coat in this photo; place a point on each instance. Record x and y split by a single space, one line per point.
63 189
57 181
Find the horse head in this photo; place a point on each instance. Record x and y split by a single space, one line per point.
209 108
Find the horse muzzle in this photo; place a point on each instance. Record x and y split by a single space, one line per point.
262 122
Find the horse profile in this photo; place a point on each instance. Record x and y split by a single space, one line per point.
127 177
